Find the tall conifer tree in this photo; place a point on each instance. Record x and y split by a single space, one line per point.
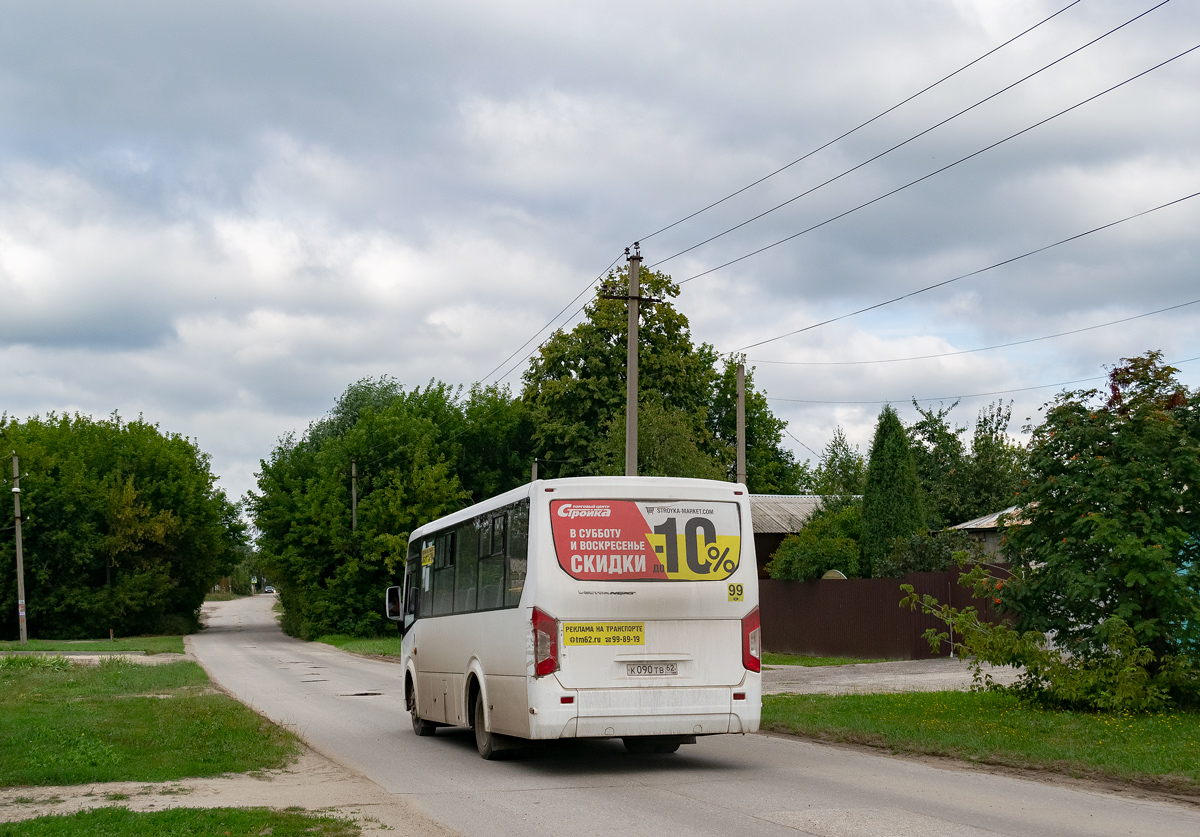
892 499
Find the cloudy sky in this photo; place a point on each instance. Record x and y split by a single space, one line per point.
220 214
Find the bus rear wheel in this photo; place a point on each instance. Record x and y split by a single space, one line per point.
420 726
651 745
485 742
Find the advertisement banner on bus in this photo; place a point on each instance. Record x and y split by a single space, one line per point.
628 540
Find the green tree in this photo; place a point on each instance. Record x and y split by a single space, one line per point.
941 462
1110 514
770 467
929 553
828 541
575 384
667 447
996 466
330 575
124 528
960 483
842 471
575 392
892 498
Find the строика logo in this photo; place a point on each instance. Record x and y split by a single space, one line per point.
573 511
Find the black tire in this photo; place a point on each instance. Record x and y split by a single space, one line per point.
485 742
420 726
650 745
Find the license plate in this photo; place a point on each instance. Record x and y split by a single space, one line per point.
651 669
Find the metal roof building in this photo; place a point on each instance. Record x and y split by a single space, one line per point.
782 513
775 516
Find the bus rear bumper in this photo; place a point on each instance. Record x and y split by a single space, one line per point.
605 713
622 725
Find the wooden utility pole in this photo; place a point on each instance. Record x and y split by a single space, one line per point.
16 493
353 495
741 423
631 365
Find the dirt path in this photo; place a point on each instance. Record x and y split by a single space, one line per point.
866 678
314 783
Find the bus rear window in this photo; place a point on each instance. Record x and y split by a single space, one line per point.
627 540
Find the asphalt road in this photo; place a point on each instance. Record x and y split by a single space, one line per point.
351 710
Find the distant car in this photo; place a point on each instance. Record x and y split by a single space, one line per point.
268 589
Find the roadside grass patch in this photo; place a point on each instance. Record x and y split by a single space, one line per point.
1159 750
770 658
382 646
183 822
119 721
122 645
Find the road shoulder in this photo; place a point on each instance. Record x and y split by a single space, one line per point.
1154 789
313 782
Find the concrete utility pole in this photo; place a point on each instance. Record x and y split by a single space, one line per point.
631 362
741 423
353 496
16 493
533 476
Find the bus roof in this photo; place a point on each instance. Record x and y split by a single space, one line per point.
586 483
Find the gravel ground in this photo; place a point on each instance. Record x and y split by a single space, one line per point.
901 676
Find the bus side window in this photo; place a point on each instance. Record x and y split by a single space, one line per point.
491 567
499 530
412 580
491 583
467 562
485 537
443 574
518 552
426 597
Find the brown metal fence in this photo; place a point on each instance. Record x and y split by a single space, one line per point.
857 617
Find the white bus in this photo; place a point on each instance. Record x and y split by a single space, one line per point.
591 607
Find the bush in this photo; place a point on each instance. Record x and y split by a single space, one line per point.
829 541
924 553
1117 673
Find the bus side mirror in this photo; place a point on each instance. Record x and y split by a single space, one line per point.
392 604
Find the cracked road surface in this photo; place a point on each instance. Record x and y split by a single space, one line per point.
351 710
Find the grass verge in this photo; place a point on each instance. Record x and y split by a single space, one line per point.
770 658
66 725
388 646
121 645
1158 750
183 822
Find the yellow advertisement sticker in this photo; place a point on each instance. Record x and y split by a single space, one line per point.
604 633
427 556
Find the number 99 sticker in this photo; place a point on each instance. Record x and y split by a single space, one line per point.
736 593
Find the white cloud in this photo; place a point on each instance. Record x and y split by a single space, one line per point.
221 217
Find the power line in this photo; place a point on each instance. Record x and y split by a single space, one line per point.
553 319
960 397
973 272
806 447
981 349
912 138
784 168
942 169
874 118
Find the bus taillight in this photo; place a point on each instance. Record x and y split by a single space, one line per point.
751 641
545 643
